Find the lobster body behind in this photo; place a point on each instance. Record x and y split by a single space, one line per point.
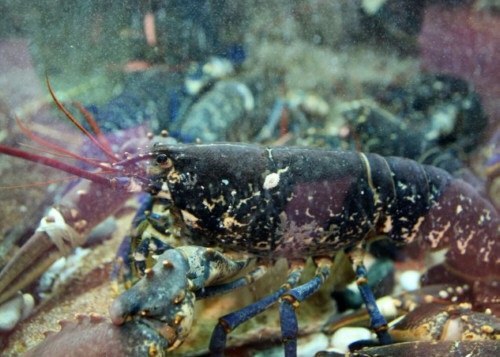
296 202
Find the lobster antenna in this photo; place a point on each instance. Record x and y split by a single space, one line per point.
92 161
39 183
47 161
56 147
78 125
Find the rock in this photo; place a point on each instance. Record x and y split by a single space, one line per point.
311 344
465 43
101 232
306 346
28 305
343 337
409 280
10 313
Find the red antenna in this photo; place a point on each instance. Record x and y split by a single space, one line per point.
107 152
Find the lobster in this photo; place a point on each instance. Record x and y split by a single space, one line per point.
292 202
299 202
295 203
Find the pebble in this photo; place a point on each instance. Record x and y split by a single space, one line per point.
16 309
306 347
409 280
344 336
28 306
102 232
387 307
47 280
61 270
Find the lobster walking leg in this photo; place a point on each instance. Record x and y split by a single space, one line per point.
121 267
291 301
144 249
377 321
215 290
230 321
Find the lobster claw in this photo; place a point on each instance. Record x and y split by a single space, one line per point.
64 228
106 339
53 239
168 307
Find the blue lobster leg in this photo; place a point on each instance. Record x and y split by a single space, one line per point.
158 247
230 321
377 321
291 300
248 279
122 264
140 255
147 247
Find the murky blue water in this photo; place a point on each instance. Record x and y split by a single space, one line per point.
389 77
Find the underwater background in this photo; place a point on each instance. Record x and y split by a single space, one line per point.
419 80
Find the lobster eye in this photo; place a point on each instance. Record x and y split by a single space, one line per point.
161 159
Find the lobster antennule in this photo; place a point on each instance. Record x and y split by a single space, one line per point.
93 124
47 161
108 153
134 159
